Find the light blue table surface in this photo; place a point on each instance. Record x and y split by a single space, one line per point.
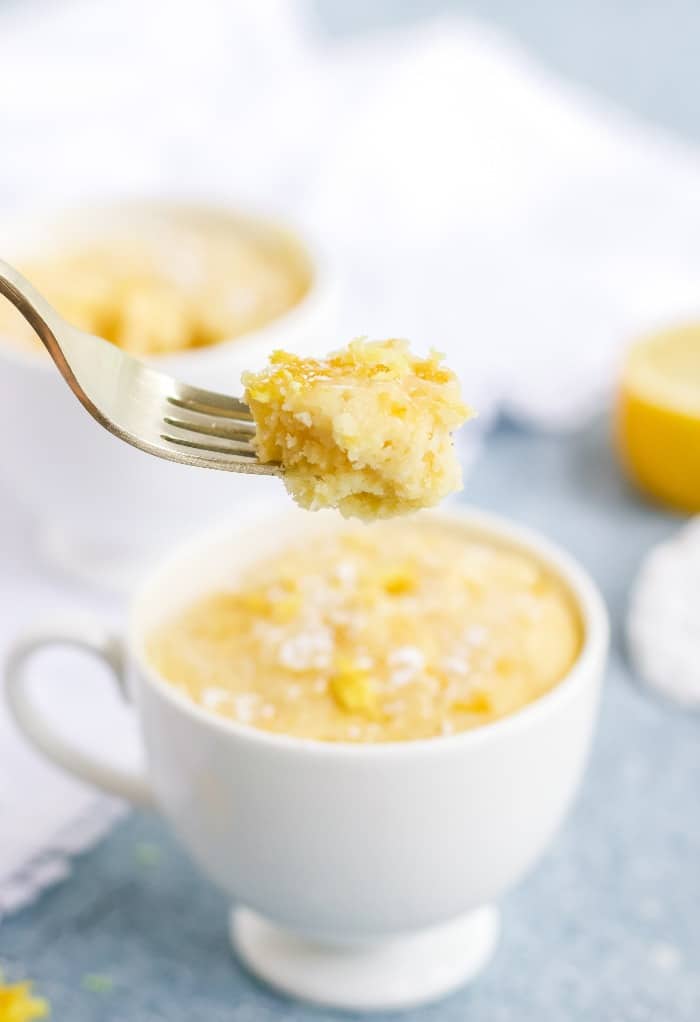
606 929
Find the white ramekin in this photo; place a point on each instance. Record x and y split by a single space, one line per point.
368 873
100 505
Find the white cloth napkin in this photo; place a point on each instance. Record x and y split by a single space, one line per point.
663 617
471 201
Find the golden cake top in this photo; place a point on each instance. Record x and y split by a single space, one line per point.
366 362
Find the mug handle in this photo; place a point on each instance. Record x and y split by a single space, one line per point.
38 729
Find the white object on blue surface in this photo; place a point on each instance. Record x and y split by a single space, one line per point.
663 619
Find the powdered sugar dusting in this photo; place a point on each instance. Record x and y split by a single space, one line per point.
345 572
476 635
245 705
307 650
215 698
405 664
458 665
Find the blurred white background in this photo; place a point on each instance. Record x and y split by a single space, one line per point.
472 200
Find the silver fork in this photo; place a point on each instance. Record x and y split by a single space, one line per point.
140 405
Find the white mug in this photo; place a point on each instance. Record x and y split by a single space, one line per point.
369 873
101 506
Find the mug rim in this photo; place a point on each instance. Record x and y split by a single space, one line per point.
321 277
583 590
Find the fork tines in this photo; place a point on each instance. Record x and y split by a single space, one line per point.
215 425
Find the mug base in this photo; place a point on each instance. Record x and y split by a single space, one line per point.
401 972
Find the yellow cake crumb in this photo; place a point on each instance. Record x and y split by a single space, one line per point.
478 702
400 581
367 430
399 631
353 691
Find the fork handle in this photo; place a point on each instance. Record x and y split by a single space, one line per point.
41 316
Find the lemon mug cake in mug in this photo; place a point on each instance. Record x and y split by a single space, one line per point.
365 871
185 282
390 632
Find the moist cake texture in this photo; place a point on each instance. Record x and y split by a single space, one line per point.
392 632
367 430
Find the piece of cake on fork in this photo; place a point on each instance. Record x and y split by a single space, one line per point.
367 430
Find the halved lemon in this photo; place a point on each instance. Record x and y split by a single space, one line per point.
658 416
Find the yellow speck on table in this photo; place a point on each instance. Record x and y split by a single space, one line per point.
97 983
658 416
18 1004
